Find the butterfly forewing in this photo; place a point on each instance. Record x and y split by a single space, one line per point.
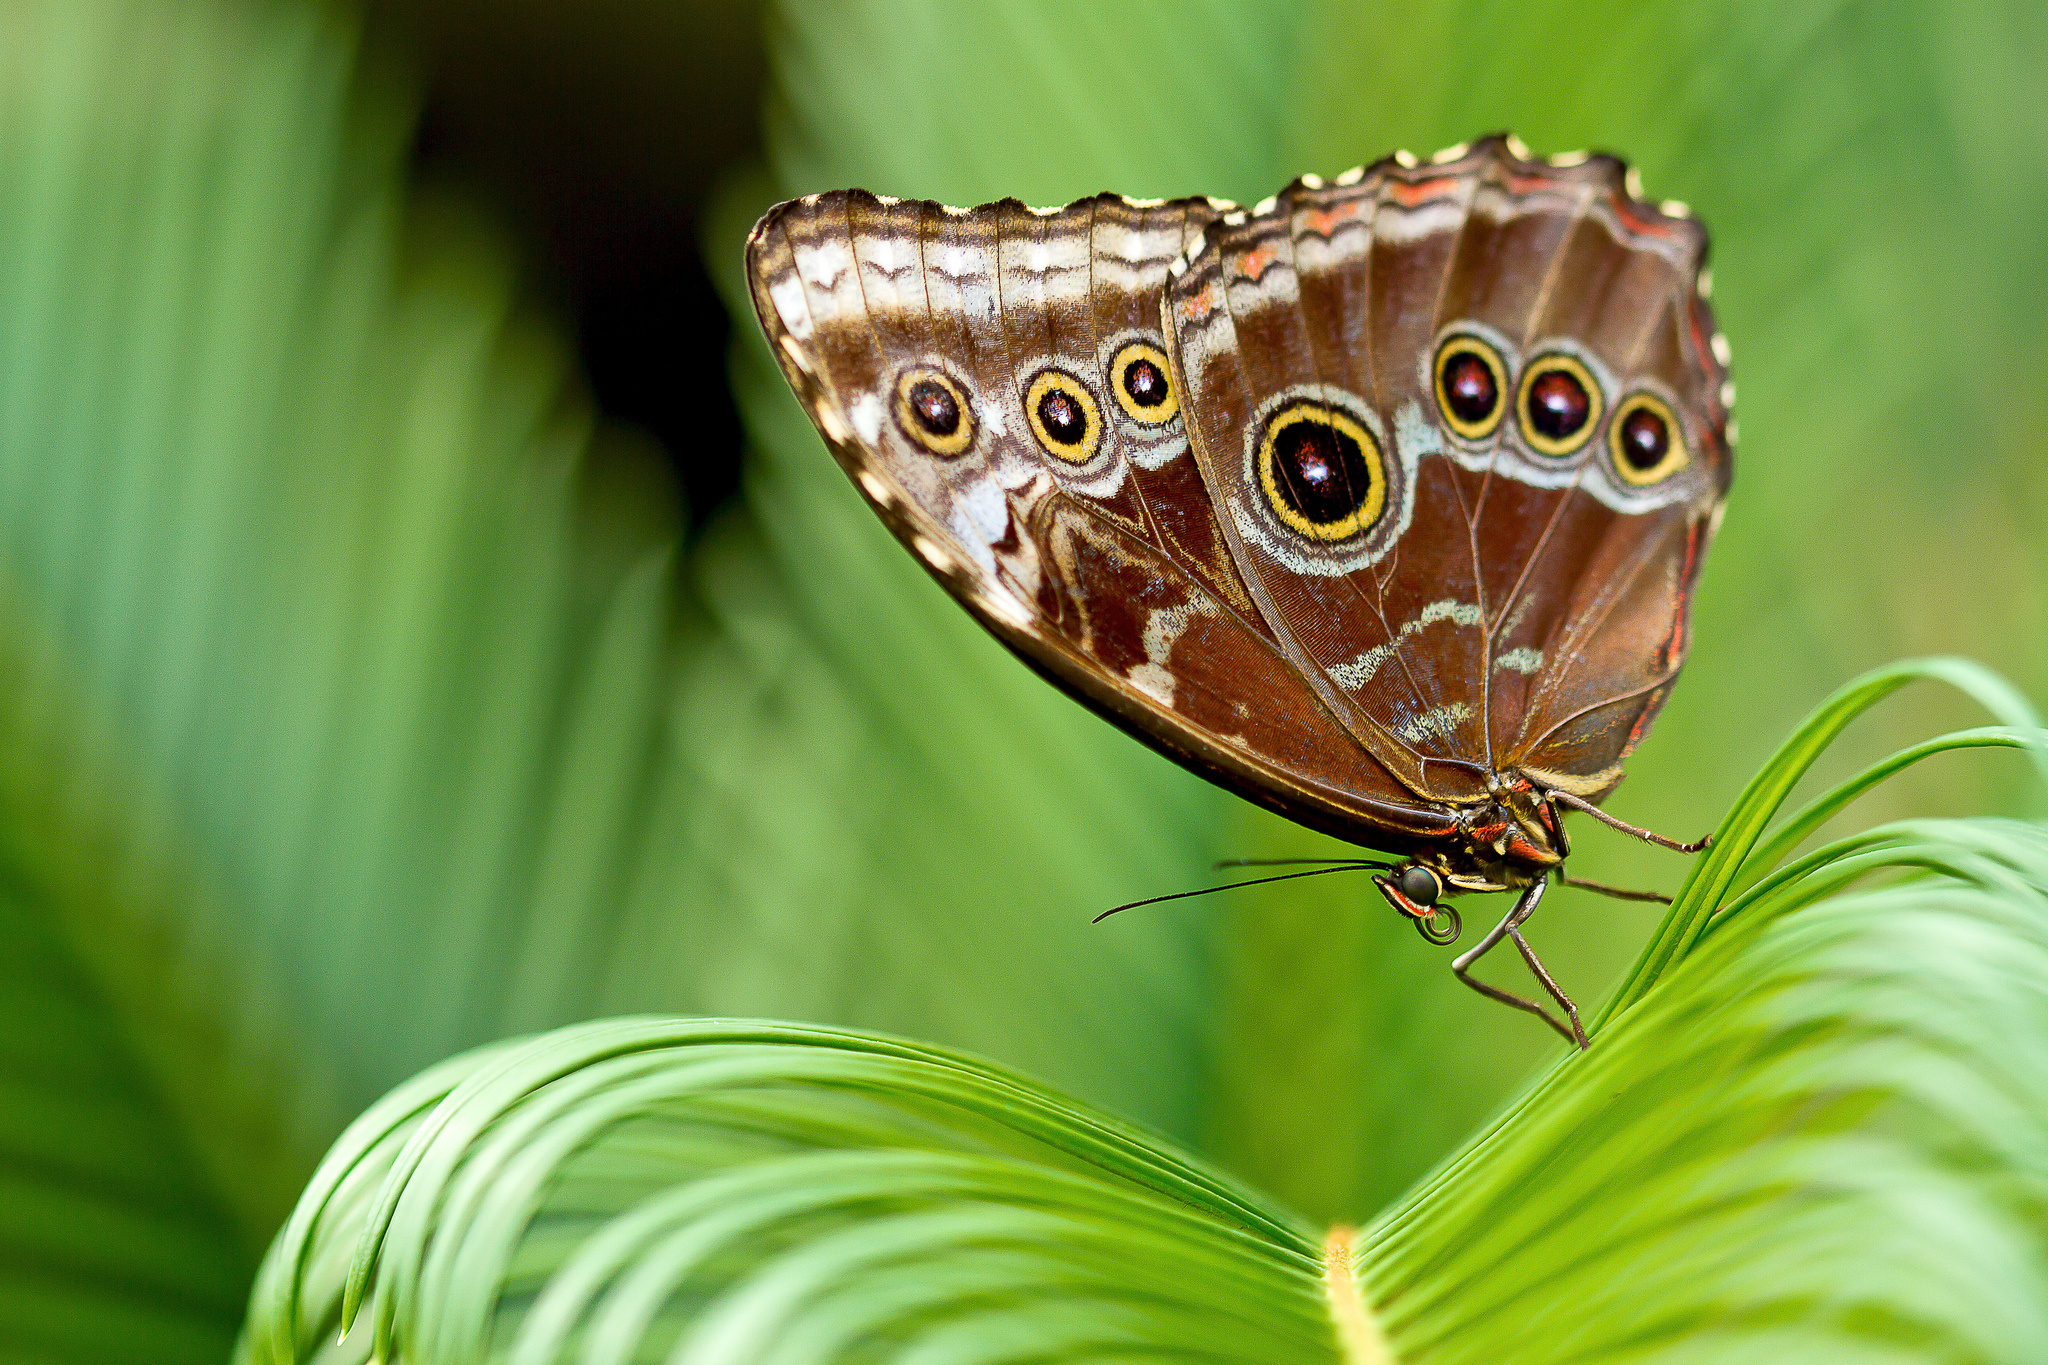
996 382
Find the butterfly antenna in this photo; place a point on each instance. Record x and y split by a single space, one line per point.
1577 803
1283 862
1208 890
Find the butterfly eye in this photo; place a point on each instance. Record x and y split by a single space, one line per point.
1470 379
1560 403
933 412
1321 471
1647 443
1064 416
1420 885
1143 384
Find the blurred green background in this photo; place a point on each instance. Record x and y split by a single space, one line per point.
425 617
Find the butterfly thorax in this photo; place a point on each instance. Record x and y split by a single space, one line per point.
1510 840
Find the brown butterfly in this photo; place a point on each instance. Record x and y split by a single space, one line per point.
1380 503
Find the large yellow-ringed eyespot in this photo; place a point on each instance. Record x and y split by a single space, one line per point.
1143 384
1559 403
1471 386
1321 471
1646 440
1064 416
933 412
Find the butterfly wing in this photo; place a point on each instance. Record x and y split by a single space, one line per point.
1491 597
995 382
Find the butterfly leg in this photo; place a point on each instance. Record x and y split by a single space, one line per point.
1510 927
1617 892
1634 831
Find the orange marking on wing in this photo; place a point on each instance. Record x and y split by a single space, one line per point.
1529 184
1325 222
1652 225
1257 261
1197 307
1703 345
1408 196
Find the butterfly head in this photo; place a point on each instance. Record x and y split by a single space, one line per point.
1506 842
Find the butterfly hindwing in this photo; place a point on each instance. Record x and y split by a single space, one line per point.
1481 595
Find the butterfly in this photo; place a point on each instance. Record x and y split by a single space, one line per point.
1380 503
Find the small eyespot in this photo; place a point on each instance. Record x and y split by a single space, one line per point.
1064 416
1143 384
1321 471
933 412
1647 443
1560 405
1471 380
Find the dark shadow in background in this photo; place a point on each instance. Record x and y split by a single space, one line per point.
593 132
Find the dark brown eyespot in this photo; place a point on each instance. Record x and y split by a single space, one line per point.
1646 441
1470 379
933 412
1560 404
1143 384
1321 471
1420 885
935 409
1064 416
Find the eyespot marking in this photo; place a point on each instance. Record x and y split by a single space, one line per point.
1321 471
1064 416
1647 443
1559 403
1142 381
1471 386
933 411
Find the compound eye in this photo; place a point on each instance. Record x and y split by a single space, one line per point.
1560 403
1470 381
933 412
1419 884
1646 441
1064 416
1143 384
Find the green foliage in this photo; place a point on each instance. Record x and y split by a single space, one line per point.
1812 1125
359 706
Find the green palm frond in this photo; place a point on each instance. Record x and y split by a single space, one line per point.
1813 1125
